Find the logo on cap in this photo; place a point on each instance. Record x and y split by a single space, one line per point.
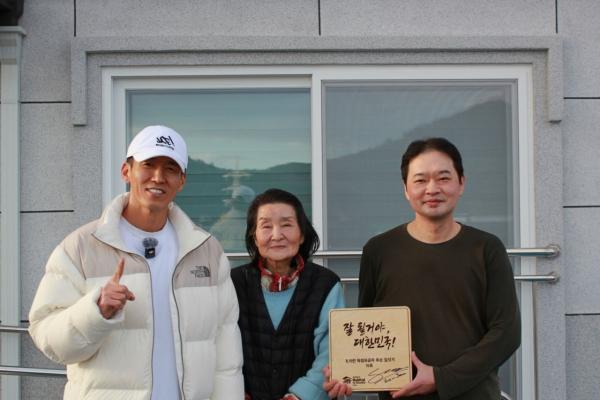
165 141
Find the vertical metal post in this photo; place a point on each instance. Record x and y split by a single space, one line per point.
10 279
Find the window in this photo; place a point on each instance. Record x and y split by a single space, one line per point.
334 135
240 143
367 127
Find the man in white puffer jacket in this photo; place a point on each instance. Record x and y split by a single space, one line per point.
139 303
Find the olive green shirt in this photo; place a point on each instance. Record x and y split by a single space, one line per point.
464 309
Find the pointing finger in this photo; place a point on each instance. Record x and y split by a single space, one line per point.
118 271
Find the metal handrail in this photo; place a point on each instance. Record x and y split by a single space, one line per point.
43 372
550 278
23 371
505 396
549 251
13 329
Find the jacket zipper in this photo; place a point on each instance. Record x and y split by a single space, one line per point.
153 330
178 331
153 319
178 317
178 328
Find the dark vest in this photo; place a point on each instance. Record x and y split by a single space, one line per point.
275 359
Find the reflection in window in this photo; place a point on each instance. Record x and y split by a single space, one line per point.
368 126
240 143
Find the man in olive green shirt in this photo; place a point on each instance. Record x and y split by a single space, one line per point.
457 281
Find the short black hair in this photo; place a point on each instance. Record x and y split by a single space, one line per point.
421 146
271 196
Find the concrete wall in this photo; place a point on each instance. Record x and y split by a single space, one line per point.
578 25
61 164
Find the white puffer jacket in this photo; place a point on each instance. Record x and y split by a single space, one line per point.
112 359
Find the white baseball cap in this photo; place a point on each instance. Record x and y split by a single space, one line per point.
156 141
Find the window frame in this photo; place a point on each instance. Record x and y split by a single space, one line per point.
117 80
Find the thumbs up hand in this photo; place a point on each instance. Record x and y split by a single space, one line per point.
113 295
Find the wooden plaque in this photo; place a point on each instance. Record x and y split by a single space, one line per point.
369 348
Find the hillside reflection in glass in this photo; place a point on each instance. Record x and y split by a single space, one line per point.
241 142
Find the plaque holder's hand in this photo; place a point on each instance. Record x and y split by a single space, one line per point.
424 382
333 387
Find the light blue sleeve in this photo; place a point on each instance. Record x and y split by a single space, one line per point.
310 386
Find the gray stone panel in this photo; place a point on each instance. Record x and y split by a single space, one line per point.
581 256
432 17
578 25
581 139
46 154
549 299
87 161
38 388
40 234
46 50
583 357
192 17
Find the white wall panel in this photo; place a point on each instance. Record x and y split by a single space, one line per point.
578 25
46 154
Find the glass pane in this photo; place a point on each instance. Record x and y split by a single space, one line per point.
240 143
366 128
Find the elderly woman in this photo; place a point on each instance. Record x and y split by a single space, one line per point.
284 302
